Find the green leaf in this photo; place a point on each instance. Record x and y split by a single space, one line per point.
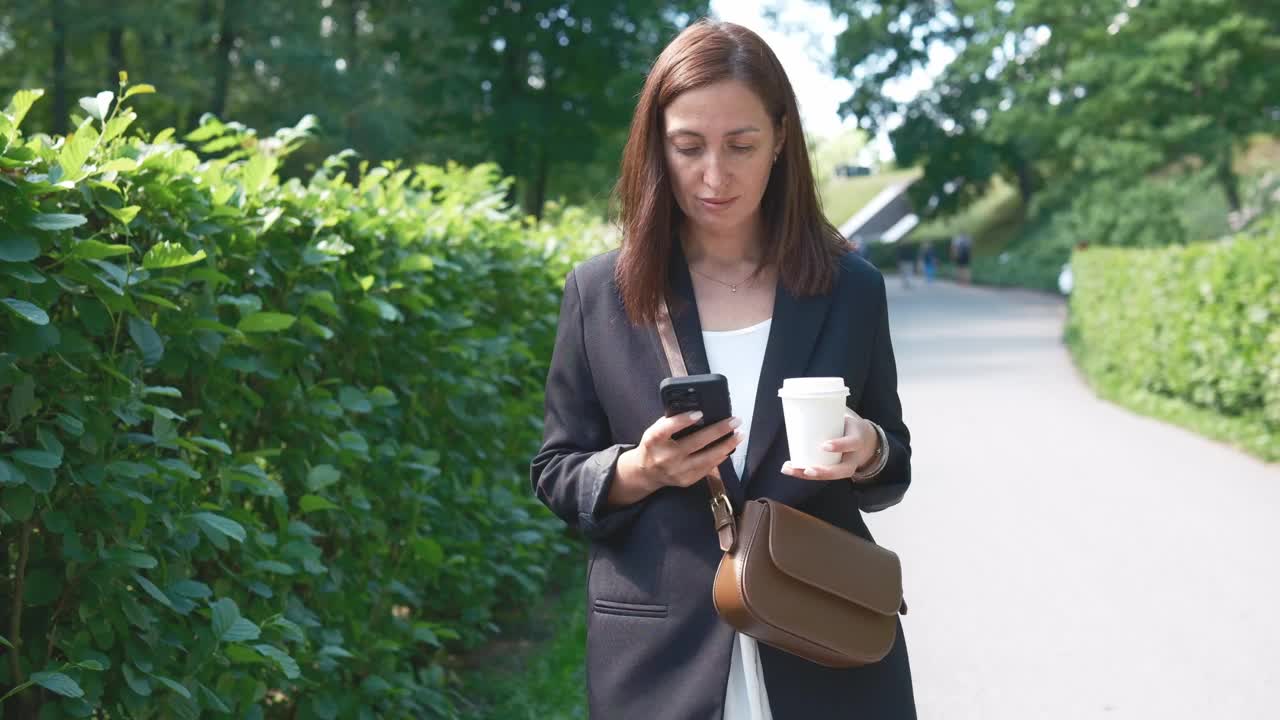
256 171
19 502
125 214
70 424
22 401
417 263
165 254
354 400
162 390
117 125
21 103
212 444
147 340
192 589
322 300
225 614
25 273
10 475
282 659
132 558
75 151
211 700
26 311
156 593
17 248
92 665
382 396
137 681
139 89
98 106
120 165
38 458
264 322
241 630
96 250
312 503
6 643
58 221
322 476
173 685
157 300
58 683
221 525
275 566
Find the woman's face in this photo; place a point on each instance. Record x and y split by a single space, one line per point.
720 144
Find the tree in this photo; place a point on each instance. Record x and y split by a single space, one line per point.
1073 90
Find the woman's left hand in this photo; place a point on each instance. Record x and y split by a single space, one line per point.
857 448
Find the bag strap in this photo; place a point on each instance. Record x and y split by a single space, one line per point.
721 509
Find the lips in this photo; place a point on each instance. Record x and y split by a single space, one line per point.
716 203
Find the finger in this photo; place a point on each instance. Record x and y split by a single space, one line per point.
818 472
707 436
707 461
665 427
842 445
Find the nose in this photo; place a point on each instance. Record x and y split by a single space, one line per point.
716 174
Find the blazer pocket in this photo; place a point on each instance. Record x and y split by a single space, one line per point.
644 610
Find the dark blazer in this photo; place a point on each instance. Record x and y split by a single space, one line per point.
656 649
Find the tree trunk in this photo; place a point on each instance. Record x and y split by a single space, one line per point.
1230 183
511 81
536 199
222 59
1026 177
200 50
60 107
115 55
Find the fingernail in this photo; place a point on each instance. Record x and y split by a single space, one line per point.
737 434
810 472
828 446
696 415
735 422
786 466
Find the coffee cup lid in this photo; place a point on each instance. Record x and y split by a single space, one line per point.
813 386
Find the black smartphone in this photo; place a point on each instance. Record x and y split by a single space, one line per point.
708 393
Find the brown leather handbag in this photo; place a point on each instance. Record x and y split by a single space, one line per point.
794 582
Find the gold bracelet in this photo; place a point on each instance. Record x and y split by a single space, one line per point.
882 455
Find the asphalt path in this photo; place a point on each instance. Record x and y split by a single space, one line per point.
1064 557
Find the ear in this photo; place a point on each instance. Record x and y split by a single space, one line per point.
782 135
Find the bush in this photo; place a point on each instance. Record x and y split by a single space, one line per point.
265 442
1199 324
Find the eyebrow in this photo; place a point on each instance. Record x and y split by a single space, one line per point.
736 131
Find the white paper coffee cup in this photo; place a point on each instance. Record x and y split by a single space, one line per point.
813 412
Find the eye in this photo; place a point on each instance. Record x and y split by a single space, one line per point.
688 151
742 148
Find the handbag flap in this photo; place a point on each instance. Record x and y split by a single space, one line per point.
836 561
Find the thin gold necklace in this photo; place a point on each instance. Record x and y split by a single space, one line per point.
733 287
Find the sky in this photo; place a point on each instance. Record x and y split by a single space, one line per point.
804 43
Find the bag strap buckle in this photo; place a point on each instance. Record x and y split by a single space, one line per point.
722 511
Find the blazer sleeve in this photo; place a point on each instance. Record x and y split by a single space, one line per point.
575 468
881 405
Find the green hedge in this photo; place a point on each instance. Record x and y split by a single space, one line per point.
265 442
1191 333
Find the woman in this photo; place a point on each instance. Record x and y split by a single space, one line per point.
720 215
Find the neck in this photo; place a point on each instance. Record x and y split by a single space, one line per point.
726 249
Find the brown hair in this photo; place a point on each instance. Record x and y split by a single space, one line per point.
803 245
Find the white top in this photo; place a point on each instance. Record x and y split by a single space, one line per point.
738 355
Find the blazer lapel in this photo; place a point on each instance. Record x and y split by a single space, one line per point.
688 329
792 335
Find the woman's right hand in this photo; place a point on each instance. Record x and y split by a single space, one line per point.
659 461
